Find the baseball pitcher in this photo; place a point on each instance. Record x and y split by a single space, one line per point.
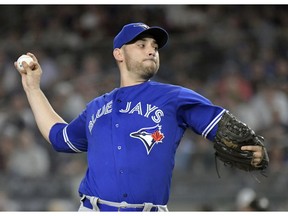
131 134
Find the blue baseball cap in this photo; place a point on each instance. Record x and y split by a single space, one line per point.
130 31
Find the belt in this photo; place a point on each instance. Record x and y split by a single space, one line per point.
102 205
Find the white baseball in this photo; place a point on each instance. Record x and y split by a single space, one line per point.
23 58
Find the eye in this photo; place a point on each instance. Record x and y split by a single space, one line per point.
155 46
141 45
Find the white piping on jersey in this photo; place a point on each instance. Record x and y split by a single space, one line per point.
212 124
66 139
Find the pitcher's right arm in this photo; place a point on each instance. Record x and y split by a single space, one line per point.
45 115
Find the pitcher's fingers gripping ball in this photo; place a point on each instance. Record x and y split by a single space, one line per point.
23 58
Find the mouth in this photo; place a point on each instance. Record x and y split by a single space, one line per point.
153 60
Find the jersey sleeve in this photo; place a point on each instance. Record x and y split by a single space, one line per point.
198 113
69 138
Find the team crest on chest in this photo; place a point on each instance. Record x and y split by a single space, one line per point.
149 136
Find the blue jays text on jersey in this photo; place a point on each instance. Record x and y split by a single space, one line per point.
131 135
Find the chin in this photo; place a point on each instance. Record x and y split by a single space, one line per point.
149 74
150 70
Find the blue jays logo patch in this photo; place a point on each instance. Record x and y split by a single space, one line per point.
149 136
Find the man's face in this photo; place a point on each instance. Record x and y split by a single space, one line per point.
142 57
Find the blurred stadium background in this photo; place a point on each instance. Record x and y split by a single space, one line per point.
234 55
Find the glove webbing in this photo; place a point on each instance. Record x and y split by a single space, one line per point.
262 172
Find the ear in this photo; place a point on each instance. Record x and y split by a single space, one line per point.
118 54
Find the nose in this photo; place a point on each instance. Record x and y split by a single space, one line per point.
152 51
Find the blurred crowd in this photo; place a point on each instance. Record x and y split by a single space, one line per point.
234 55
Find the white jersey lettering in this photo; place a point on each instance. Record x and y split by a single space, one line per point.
126 109
139 108
157 117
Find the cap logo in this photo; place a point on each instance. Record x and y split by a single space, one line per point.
141 25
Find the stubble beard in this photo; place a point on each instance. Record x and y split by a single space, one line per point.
142 70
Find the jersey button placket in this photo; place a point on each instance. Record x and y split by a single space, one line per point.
119 148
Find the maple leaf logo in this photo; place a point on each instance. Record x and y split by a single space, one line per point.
157 136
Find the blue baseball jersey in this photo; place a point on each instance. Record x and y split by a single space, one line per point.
131 135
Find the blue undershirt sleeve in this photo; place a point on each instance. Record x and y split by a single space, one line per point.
69 138
56 138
